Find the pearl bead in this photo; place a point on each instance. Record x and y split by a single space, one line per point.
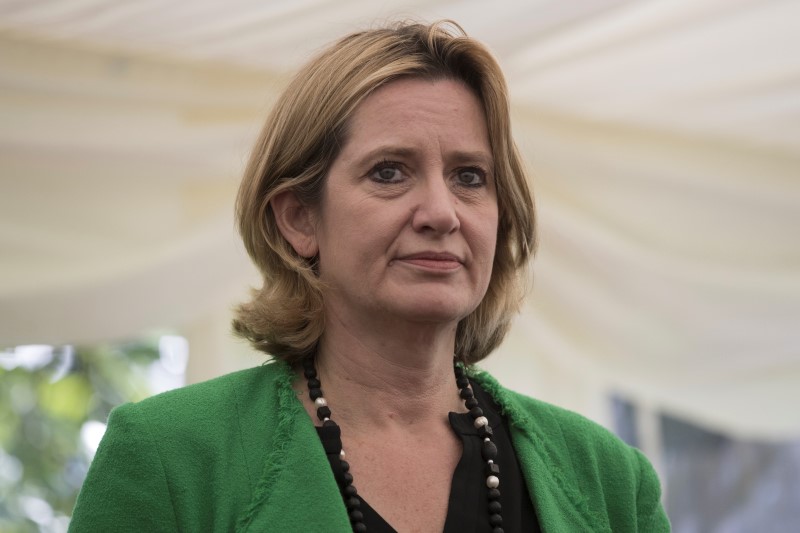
320 402
492 482
481 421
341 454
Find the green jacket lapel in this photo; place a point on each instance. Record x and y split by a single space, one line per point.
297 490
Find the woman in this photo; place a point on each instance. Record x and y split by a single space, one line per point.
388 211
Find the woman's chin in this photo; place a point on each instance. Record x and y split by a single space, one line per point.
433 311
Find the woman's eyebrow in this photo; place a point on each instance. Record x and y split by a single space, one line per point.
391 150
384 151
478 156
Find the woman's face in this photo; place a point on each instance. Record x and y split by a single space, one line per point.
408 223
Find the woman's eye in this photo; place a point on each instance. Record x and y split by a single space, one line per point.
471 177
387 173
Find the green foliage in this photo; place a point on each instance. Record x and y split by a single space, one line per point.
43 408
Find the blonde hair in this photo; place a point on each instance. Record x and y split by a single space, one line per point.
302 137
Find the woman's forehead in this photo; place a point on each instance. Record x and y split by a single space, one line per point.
411 115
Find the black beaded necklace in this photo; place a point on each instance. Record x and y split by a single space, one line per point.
488 449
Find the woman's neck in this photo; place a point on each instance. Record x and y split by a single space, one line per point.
382 376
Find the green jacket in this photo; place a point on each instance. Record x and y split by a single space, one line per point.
239 453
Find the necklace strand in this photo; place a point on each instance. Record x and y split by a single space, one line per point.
350 496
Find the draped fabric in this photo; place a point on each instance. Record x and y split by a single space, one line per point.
663 139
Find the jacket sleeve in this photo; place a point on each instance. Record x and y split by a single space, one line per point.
126 488
651 516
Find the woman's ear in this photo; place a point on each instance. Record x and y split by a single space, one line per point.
296 223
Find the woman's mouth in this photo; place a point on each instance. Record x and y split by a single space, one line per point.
443 261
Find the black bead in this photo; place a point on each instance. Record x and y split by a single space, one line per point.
495 507
459 371
309 372
494 494
488 451
471 403
496 520
345 465
350 491
494 530
462 382
329 423
347 477
313 383
352 503
485 431
356 516
466 394
315 393
323 412
492 469
361 528
476 412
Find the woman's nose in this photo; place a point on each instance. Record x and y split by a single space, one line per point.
435 210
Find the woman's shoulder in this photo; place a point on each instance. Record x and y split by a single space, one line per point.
531 413
163 453
569 438
608 481
205 410
216 394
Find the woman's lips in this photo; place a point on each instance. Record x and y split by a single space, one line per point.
433 260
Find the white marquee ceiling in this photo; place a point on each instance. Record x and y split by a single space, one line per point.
664 137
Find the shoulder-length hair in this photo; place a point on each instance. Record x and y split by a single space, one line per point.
304 134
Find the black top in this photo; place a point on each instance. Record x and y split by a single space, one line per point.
467 510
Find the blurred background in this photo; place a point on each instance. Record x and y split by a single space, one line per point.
664 142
